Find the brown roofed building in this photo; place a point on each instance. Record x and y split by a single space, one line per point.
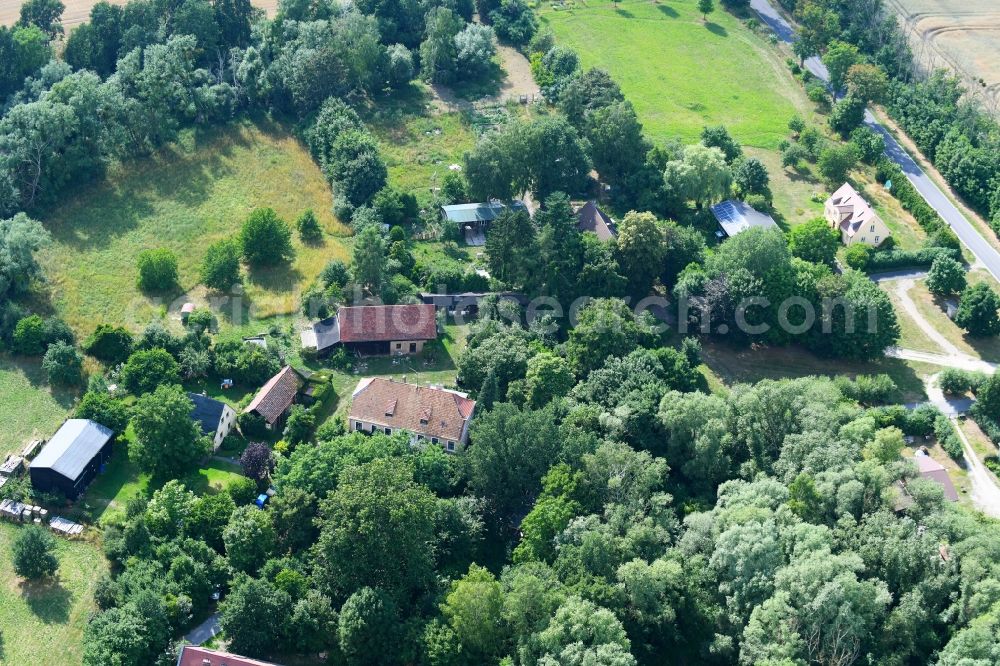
376 329
935 471
591 218
274 399
848 212
384 405
193 655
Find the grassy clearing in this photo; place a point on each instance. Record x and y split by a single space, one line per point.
738 365
42 623
29 407
682 73
988 349
192 193
418 148
911 335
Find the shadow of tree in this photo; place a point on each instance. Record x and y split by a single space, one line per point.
716 29
48 600
624 13
668 11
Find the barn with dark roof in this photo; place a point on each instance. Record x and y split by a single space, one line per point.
72 458
375 329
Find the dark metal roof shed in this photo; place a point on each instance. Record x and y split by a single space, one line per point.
72 448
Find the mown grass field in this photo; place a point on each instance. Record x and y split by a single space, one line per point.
42 623
196 191
682 73
29 407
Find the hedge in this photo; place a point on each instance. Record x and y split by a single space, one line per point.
908 196
885 260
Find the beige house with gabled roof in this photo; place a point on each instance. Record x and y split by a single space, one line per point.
857 221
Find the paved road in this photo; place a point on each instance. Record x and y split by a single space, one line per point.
923 183
204 631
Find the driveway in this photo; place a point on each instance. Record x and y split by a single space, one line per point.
985 493
970 237
204 631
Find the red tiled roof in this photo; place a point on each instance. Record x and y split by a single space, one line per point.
198 656
421 410
275 396
384 323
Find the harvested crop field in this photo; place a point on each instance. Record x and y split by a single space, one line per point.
961 34
77 11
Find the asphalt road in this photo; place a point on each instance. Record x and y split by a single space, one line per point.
967 233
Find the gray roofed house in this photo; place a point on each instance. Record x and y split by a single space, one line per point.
215 417
72 457
736 216
591 218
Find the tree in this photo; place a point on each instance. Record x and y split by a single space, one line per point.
641 250
847 115
438 51
836 162
840 57
886 446
475 48
45 14
750 177
814 241
220 270
400 65
167 441
369 260
977 310
549 377
63 363
867 82
514 22
511 247
33 553
719 137
254 616
157 269
513 450
581 632
617 145
605 327
368 622
257 461
29 336
249 538
706 7
20 238
701 175
99 406
300 424
148 368
473 609
869 144
265 239
818 25
109 344
946 276
371 501
861 321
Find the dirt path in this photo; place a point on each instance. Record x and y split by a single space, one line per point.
985 493
903 293
517 83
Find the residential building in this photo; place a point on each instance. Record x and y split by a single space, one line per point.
591 218
857 221
473 219
375 330
215 417
424 413
934 471
193 655
735 217
275 398
72 458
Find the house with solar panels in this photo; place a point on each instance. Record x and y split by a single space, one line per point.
474 219
72 458
735 217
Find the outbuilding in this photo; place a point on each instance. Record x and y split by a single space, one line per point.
72 458
215 418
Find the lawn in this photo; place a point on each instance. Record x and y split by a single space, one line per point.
42 623
988 348
190 194
682 73
29 407
730 365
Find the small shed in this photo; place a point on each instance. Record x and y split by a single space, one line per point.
186 311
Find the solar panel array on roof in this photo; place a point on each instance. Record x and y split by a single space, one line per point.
736 216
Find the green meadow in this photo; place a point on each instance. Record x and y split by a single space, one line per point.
681 72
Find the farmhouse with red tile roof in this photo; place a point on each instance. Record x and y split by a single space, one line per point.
385 405
192 655
274 399
375 329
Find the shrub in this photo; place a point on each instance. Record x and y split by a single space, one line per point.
109 344
946 437
63 364
200 321
265 239
157 269
847 115
243 490
857 256
33 553
817 94
335 272
884 260
836 162
220 270
147 369
868 389
954 381
946 276
869 144
29 336
977 310
308 227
